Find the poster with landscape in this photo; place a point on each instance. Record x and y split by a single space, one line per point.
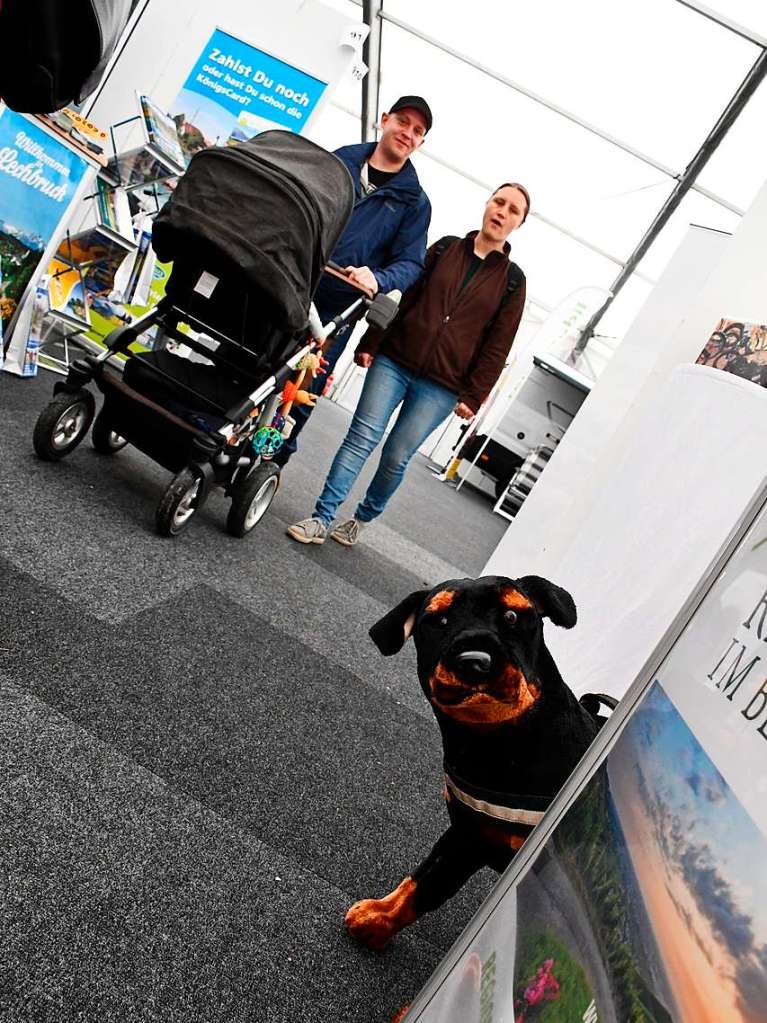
39 177
646 902
646 907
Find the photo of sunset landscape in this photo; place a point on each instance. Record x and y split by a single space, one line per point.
700 863
648 900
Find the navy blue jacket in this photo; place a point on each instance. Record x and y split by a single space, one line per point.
387 233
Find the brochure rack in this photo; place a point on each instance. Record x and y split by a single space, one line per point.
83 269
158 156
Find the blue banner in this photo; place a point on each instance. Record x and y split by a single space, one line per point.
39 177
234 91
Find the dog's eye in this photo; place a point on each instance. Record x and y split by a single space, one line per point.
443 621
510 617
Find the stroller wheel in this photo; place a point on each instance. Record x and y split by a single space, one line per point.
103 437
63 424
179 503
252 496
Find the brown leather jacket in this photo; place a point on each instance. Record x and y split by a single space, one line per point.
443 335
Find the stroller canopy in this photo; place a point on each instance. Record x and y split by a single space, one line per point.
269 211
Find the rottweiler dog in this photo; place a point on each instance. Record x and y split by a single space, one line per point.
512 731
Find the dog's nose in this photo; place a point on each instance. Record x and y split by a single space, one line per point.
476 662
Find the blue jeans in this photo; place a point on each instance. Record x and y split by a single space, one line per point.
425 405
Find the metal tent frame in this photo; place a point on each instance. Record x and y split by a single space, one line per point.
375 14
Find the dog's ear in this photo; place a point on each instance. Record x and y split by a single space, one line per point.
550 600
392 631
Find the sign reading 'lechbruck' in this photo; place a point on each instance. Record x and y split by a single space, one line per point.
39 177
13 162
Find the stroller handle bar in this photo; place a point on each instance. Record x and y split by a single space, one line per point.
338 271
352 313
381 309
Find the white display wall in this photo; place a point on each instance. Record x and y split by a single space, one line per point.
580 468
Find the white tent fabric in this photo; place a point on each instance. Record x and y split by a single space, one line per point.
650 79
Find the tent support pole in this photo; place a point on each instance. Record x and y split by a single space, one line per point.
371 54
686 180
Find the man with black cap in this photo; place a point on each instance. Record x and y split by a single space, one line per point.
384 244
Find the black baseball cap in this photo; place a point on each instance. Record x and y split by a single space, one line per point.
415 103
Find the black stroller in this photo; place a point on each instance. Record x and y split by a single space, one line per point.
249 230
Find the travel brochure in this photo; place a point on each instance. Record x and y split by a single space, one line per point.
113 209
141 269
66 293
161 155
646 902
162 132
118 285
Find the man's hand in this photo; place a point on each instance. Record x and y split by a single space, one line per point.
364 276
463 411
364 359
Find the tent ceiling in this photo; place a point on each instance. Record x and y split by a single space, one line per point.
598 107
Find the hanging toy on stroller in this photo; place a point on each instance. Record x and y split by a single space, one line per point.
249 230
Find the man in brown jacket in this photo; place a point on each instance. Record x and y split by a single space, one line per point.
442 354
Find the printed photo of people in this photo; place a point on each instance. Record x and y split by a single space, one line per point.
739 348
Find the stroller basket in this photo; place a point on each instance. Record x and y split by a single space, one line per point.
165 437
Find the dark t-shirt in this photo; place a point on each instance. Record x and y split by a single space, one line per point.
474 265
379 177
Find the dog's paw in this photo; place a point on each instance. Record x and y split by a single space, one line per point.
370 924
374 922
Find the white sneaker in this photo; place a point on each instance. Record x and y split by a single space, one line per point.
308 531
347 533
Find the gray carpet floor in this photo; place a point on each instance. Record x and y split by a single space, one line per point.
203 758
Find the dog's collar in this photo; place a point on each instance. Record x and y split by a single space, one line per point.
508 814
